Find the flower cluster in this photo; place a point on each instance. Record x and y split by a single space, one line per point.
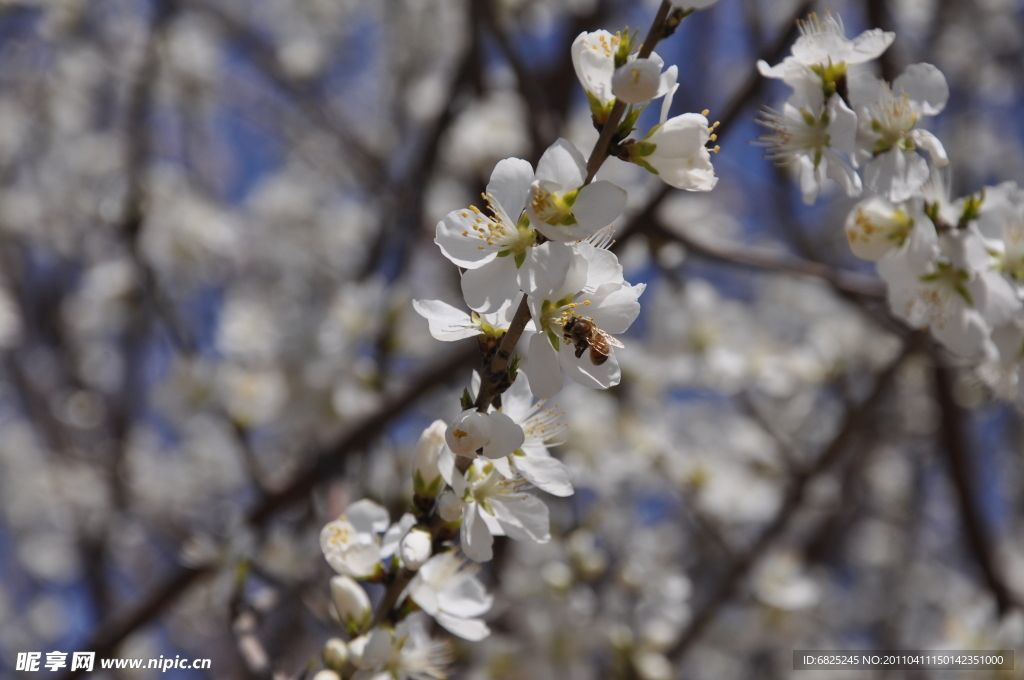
543 287
953 266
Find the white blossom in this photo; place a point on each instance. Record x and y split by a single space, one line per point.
404 653
415 548
351 543
493 434
490 245
351 603
426 478
641 80
448 323
446 588
877 228
676 150
560 206
889 137
810 133
822 54
494 505
583 282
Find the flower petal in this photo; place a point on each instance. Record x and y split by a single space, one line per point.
926 87
930 143
869 45
459 242
394 535
510 184
562 164
614 307
598 205
368 517
550 269
489 287
545 473
896 173
476 539
586 373
467 629
602 266
518 399
506 436
542 367
359 561
423 594
467 599
524 519
446 322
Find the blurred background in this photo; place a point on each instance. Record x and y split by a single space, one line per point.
214 215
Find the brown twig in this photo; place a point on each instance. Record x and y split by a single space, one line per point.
853 283
601 148
961 467
494 381
327 463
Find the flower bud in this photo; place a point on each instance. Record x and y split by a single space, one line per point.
356 648
467 433
350 603
449 507
495 433
327 674
335 654
875 228
652 666
426 477
637 81
416 548
380 643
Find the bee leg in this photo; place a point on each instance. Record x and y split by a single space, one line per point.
580 349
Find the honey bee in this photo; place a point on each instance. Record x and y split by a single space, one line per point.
585 335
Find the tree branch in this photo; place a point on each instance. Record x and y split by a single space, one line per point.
853 283
961 466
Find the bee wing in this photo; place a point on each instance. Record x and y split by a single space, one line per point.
610 339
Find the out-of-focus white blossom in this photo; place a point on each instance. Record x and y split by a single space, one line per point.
447 589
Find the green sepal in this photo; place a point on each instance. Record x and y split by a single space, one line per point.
645 165
466 400
830 76
504 253
513 368
599 111
641 149
520 259
421 488
628 123
964 293
626 42
972 207
553 339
